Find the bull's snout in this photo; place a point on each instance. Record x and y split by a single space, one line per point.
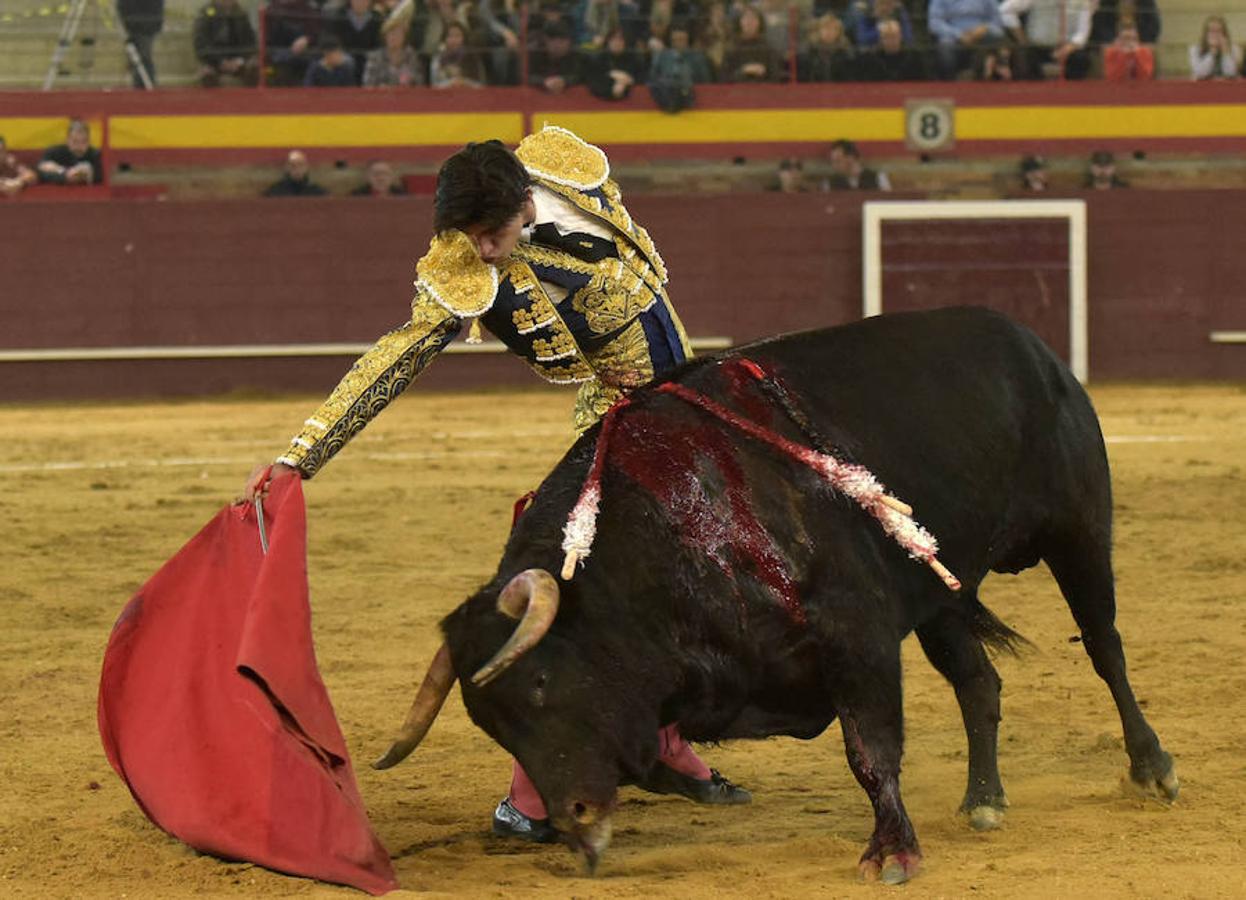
587 828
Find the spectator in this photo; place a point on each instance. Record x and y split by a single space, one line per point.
1126 59
296 182
676 69
73 162
396 64
996 65
455 65
892 59
1101 176
1055 35
662 15
1033 174
1214 56
1110 15
291 34
862 20
614 70
777 25
594 20
335 68
358 27
142 21
750 56
381 181
556 66
428 28
790 177
829 56
500 28
849 173
714 36
964 29
225 44
14 175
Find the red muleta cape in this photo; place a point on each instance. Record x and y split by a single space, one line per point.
212 711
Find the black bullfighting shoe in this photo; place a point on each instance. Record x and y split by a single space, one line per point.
509 822
715 790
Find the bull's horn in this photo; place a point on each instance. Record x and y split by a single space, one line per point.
532 595
432 694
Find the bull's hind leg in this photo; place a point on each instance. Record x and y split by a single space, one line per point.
1083 570
867 693
960 658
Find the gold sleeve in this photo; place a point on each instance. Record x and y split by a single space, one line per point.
373 381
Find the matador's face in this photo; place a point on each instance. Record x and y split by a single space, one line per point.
496 245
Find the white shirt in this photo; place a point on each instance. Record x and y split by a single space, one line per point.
1051 22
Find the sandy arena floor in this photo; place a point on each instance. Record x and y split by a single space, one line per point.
412 516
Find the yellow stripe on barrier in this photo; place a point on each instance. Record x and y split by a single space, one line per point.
347 130
1004 123
729 126
37 133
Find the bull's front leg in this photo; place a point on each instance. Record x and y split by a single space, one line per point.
871 714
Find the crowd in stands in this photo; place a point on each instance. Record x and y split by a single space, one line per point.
612 46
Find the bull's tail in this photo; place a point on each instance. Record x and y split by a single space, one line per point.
997 636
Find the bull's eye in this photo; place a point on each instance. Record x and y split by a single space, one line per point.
537 695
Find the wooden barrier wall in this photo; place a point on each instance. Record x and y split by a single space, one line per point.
1165 270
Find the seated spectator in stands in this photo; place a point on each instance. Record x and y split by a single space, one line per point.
776 24
335 68
1214 56
1101 175
381 182
456 65
142 21
749 56
14 175
396 64
713 36
1053 37
1033 174
996 65
595 19
614 70
291 33
556 66
964 29
829 56
500 29
296 182
849 173
225 44
862 19
790 177
892 59
73 162
675 69
428 26
662 15
1110 15
358 26
1126 59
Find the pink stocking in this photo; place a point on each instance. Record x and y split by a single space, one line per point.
524 796
677 753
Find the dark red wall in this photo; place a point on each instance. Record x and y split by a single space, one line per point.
1165 270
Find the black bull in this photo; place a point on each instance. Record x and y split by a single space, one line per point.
731 591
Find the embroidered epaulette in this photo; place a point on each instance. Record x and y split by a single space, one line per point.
455 276
555 154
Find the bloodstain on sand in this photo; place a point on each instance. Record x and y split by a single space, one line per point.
412 517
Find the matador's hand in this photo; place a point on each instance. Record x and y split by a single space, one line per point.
262 477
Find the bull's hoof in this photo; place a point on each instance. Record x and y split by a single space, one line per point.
1165 788
985 818
896 868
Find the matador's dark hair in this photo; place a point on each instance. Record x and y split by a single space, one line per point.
483 184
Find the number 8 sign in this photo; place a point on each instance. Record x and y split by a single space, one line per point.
929 125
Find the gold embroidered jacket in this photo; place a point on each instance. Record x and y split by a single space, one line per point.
612 327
